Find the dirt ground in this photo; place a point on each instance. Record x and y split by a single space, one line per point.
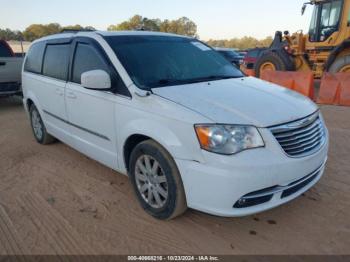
54 200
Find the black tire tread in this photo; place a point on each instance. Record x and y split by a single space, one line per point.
181 204
339 63
47 138
280 59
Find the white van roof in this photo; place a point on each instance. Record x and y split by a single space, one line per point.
105 33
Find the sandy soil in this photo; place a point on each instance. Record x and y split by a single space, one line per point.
54 200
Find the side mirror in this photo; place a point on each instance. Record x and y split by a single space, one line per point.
96 80
303 9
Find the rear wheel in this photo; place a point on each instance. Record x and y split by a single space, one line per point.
39 130
157 181
341 65
273 61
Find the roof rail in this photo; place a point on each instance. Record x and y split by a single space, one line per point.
67 30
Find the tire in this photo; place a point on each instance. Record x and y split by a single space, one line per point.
340 64
152 185
280 60
39 130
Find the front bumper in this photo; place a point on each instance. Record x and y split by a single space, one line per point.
216 186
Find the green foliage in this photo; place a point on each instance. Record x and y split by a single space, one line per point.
181 26
7 34
241 43
78 27
36 31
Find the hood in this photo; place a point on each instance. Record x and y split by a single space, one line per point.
245 101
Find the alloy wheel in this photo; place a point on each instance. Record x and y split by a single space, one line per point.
151 181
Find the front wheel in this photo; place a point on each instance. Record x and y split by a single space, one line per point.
273 61
341 65
157 181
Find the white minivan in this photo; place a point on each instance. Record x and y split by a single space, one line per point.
187 127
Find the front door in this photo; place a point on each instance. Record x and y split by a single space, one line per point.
91 113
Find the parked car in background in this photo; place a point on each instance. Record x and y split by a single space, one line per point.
243 53
231 55
187 127
251 57
10 71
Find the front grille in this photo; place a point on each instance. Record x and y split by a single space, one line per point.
302 137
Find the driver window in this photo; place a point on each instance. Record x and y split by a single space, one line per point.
349 19
335 14
325 15
86 58
330 19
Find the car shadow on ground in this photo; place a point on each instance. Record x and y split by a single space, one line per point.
9 103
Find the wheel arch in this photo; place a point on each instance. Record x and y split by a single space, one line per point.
137 131
29 100
130 143
335 54
29 103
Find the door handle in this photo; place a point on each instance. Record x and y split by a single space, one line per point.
2 63
71 95
59 92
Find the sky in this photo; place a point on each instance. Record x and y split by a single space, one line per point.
220 19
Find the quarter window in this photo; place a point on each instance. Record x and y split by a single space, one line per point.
34 58
86 59
56 61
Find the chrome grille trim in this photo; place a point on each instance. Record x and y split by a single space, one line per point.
301 138
297 131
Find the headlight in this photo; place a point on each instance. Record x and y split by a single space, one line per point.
228 139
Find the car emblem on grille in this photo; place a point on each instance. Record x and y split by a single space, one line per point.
304 121
302 137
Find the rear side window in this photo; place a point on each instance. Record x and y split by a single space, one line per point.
34 58
56 61
4 50
86 59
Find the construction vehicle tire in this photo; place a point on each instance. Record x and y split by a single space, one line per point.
275 61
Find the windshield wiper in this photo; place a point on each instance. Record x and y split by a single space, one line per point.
169 81
210 78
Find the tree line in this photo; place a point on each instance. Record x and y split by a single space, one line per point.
181 26
243 43
36 31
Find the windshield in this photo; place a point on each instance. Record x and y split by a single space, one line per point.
158 61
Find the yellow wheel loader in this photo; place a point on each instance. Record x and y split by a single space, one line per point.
326 48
